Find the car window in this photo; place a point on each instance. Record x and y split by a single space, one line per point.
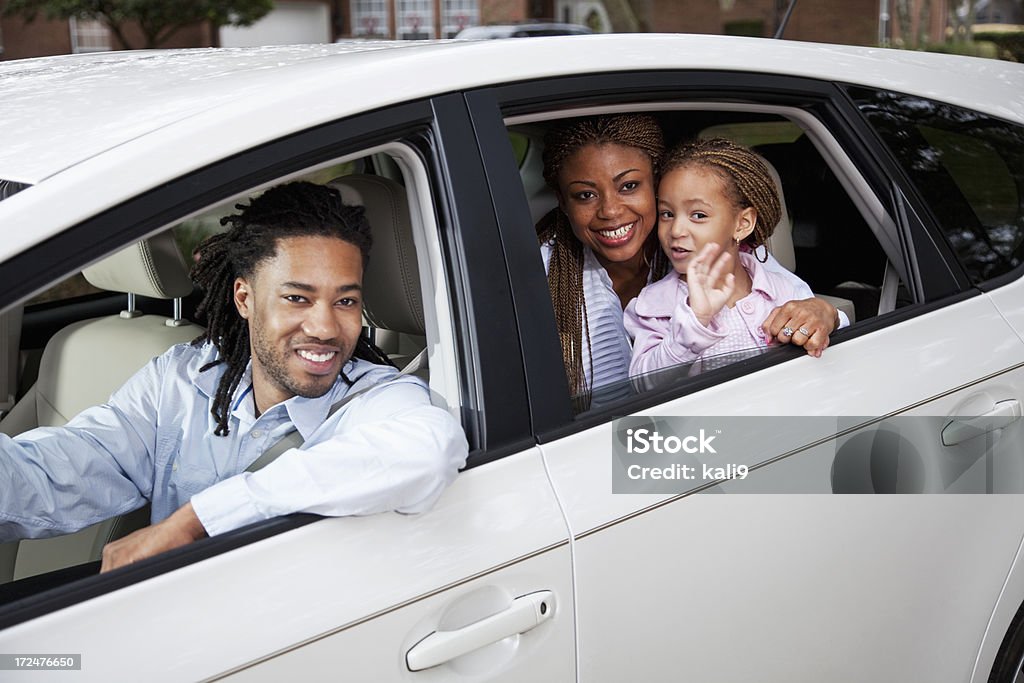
37 565
821 220
968 168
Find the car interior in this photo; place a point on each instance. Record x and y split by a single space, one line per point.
141 304
830 233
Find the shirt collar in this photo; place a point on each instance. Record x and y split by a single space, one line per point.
307 414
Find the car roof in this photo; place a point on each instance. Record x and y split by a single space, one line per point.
90 131
59 111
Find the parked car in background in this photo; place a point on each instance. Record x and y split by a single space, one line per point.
524 30
903 177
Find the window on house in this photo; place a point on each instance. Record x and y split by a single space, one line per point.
415 19
89 35
457 15
370 18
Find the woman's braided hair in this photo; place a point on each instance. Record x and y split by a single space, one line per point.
747 180
294 210
565 269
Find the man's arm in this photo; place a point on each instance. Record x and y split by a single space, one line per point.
56 480
387 450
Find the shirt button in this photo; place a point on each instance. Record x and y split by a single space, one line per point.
256 434
747 307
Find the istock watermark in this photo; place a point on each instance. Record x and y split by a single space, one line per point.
849 455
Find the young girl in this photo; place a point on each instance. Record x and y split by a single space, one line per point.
717 202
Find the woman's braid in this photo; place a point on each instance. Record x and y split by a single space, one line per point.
565 269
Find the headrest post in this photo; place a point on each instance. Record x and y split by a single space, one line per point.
177 320
132 312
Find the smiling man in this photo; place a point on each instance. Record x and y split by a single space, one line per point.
283 352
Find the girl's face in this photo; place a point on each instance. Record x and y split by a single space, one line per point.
694 210
607 191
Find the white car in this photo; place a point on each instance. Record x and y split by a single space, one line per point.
903 175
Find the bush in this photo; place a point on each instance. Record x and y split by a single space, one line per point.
1010 43
744 27
976 48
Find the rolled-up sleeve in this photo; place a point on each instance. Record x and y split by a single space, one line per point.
389 449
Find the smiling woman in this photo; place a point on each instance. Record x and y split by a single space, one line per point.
600 249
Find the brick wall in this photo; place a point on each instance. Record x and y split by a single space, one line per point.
37 39
678 16
503 11
853 22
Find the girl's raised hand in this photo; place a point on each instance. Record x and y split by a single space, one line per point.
710 281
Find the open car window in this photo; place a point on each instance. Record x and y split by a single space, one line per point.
835 234
55 373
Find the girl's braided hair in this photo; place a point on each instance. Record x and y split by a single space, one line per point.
565 269
294 210
745 175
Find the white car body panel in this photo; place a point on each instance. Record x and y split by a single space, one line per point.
321 579
708 568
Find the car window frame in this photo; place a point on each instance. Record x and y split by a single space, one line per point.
448 159
825 100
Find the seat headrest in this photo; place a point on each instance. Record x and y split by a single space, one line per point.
780 244
153 267
391 284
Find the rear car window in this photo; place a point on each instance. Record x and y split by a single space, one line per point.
968 168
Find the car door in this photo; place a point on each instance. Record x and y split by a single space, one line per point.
783 580
478 588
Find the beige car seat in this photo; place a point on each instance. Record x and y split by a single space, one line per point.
83 364
780 244
392 300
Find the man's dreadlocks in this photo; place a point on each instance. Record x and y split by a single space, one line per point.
294 210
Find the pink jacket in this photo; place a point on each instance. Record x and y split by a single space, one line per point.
666 332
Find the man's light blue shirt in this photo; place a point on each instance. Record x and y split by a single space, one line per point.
387 449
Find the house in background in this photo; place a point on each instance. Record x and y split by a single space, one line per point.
291 21
855 22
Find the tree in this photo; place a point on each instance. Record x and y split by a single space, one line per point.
914 18
961 18
623 16
158 19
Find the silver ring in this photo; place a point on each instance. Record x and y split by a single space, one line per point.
787 331
804 331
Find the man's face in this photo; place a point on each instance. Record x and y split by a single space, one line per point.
304 309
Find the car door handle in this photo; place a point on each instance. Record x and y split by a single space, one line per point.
960 430
523 614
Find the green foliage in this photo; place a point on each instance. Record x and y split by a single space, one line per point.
158 19
1010 43
975 48
744 27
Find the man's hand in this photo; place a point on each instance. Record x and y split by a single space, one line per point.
805 323
179 529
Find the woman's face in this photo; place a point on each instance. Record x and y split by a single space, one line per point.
607 191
